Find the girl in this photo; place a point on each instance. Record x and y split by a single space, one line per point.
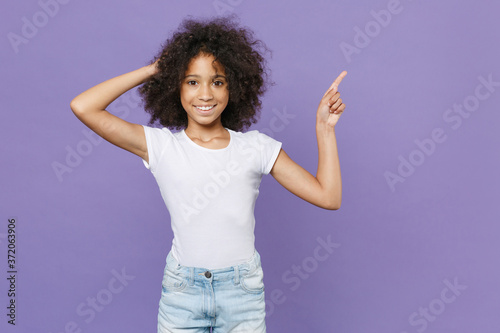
207 81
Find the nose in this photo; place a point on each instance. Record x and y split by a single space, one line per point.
205 93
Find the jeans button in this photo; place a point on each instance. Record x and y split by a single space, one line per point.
208 274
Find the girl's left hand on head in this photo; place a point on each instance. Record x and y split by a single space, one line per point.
331 107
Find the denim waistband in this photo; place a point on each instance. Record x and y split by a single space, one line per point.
220 274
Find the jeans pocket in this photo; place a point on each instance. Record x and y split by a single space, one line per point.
173 282
253 282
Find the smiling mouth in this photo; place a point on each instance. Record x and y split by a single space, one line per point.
205 108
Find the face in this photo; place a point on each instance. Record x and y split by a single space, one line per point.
204 91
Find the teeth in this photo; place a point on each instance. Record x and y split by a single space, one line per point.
205 108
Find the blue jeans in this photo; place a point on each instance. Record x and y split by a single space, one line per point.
196 299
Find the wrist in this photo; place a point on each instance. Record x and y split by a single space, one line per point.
322 126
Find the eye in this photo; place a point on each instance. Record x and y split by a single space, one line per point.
191 83
218 83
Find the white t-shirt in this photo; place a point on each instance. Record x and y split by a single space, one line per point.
210 193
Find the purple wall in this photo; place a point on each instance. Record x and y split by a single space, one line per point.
414 247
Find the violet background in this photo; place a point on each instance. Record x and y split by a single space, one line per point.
396 247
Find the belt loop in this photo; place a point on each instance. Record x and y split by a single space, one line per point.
236 275
191 276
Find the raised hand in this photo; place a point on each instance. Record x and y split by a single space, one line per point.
153 68
331 107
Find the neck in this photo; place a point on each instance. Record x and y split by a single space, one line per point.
205 132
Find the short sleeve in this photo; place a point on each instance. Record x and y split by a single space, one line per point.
269 151
156 139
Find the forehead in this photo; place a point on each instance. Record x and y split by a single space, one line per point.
204 63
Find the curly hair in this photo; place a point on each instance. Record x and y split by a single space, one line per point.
233 47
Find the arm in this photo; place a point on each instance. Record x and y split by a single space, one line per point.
90 105
324 190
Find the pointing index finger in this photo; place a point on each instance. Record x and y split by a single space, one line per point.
339 79
336 83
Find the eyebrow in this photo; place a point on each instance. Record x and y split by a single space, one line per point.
198 76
